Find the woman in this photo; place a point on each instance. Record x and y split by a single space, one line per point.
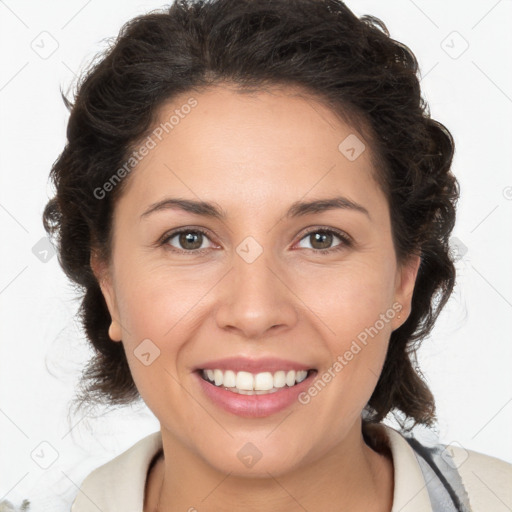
258 205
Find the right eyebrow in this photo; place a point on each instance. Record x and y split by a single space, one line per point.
189 205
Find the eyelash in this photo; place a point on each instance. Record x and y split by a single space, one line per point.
346 240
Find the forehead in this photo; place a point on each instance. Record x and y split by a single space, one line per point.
251 148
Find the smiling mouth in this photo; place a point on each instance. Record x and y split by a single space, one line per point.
263 383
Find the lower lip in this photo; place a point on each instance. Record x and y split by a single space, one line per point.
254 406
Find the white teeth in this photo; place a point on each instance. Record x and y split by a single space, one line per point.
263 381
229 379
280 379
244 380
248 384
301 375
218 377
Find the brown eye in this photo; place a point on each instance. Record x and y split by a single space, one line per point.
187 240
190 241
321 240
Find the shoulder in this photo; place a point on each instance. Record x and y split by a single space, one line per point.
488 480
118 485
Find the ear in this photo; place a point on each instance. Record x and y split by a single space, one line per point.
104 276
404 288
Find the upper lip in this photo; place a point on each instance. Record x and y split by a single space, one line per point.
244 364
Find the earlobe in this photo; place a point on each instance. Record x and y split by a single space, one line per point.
406 279
114 331
104 278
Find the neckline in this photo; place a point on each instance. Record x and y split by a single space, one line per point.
157 457
375 437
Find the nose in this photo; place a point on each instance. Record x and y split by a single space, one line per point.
256 298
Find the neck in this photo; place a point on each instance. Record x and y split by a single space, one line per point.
352 475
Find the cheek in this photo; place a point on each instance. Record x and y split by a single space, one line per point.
352 297
154 302
156 313
160 309
357 308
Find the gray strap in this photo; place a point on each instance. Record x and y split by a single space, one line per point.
444 485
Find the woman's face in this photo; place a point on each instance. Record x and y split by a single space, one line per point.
252 286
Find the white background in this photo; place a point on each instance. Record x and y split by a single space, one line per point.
466 361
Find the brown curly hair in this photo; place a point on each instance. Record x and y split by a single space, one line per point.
349 63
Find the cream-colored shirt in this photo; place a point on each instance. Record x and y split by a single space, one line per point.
119 485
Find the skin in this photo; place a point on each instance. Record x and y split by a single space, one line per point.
254 155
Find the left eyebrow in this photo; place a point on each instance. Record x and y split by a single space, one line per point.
300 208
297 209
